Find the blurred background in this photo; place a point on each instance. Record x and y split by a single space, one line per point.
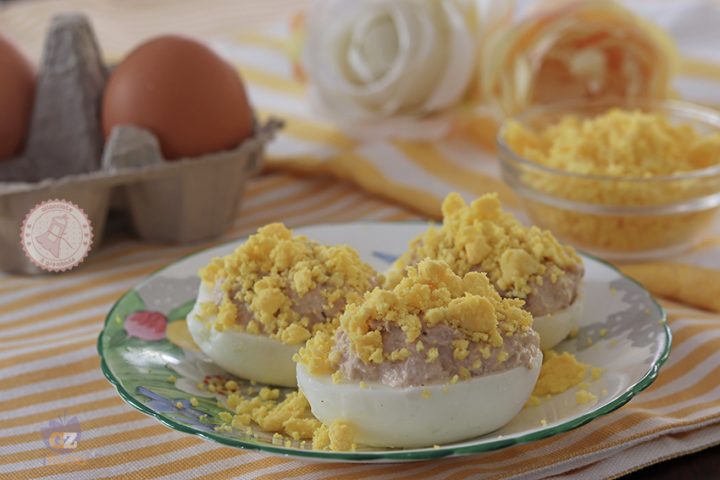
121 25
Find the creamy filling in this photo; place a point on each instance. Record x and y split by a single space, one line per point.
313 306
415 370
550 297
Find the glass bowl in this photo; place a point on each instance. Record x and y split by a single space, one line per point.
617 217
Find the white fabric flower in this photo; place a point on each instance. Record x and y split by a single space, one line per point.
389 61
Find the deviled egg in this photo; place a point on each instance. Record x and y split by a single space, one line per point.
256 306
522 262
439 358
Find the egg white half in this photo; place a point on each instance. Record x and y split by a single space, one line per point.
385 416
254 357
555 327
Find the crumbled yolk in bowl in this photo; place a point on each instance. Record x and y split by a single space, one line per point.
429 294
481 236
263 279
624 147
617 143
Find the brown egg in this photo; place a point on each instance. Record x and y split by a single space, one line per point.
17 91
189 97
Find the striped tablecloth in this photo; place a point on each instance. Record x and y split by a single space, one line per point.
48 325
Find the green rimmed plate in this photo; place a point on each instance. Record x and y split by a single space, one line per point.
148 356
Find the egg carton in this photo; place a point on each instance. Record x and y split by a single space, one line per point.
182 201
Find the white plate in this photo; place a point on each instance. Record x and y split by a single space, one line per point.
623 331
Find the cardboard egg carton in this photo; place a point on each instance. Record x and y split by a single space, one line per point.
66 157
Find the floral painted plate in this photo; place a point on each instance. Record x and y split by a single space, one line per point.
148 355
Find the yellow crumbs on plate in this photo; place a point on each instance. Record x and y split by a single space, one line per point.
559 372
290 417
583 397
338 436
263 281
470 304
481 236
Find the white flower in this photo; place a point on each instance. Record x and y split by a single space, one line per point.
377 64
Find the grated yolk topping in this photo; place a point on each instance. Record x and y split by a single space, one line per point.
633 148
265 279
291 416
481 236
617 143
583 397
338 436
430 294
289 419
559 372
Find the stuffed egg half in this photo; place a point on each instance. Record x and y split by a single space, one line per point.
522 262
439 358
258 305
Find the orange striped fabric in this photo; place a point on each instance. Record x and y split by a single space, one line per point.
49 365
49 324
49 374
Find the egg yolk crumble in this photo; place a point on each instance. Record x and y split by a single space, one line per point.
263 283
559 372
481 236
616 157
289 419
430 294
616 143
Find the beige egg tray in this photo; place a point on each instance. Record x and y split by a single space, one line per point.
173 202
66 157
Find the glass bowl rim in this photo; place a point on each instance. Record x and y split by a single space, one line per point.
706 115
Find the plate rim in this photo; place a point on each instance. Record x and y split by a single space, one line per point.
391 455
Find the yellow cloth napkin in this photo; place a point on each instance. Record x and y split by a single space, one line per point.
689 284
